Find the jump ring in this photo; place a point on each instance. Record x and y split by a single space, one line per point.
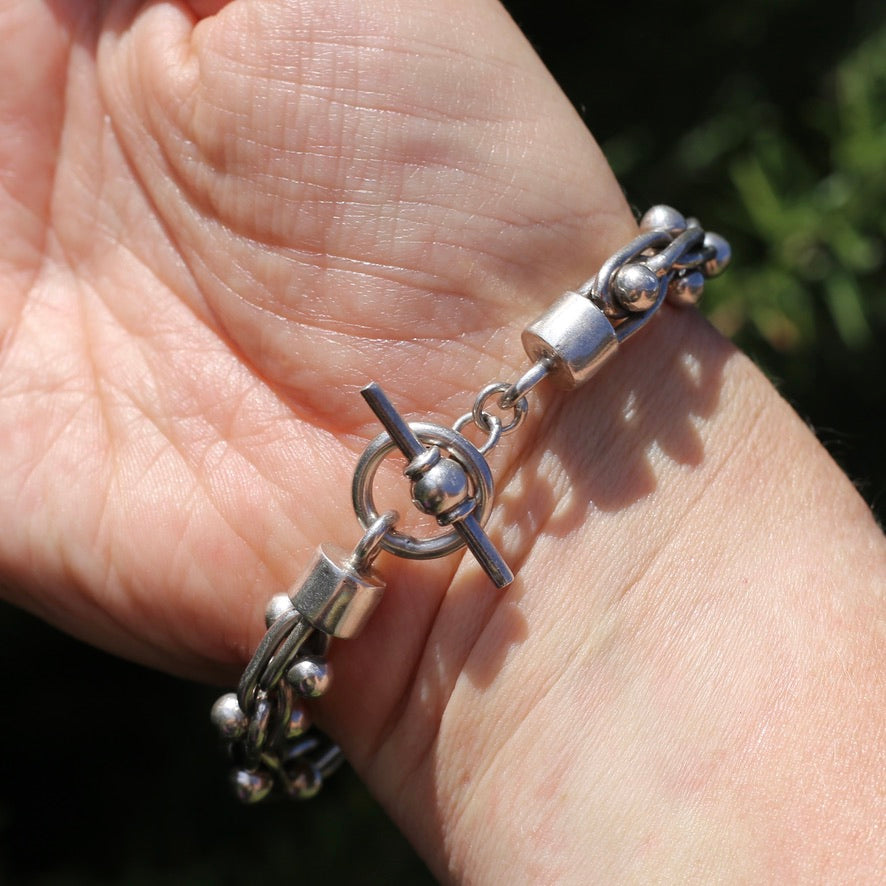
480 416
368 548
493 432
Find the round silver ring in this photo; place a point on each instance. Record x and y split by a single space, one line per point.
519 408
366 549
493 434
458 448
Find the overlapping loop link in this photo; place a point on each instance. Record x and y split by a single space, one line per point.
669 260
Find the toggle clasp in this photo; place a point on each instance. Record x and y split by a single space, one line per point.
450 479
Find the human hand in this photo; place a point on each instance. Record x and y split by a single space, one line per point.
217 229
216 232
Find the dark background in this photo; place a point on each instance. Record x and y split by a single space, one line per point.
765 119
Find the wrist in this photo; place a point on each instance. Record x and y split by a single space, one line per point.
638 670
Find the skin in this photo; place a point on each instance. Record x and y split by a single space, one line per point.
219 222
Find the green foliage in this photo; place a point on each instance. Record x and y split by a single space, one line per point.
782 150
815 223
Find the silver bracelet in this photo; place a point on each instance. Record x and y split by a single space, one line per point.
265 723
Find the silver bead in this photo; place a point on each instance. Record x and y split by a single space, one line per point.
252 787
663 218
298 723
303 781
228 718
335 597
635 287
722 254
441 487
685 289
573 337
278 605
310 677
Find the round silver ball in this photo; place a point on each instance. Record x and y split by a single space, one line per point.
303 781
635 287
228 718
252 787
722 254
685 290
278 605
298 723
310 677
663 218
441 487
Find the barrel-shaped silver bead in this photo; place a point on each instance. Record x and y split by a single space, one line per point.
333 596
574 337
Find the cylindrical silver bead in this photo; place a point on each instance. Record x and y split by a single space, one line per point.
574 337
334 597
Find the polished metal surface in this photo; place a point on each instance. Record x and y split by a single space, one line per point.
259 729
252 787
664 218
333 596
675 254
635 322
303 780
275 734
297 723
457 495
527 382
635 287
266 723
598 288
573 339
369 547
228 718
310 677
278 605
492 429
722 254
441 487
685 289
280 631
497 390
399 431
433 435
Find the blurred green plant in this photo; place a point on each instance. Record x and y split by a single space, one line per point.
792 169
816 224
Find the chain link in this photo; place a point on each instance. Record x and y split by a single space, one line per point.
265 724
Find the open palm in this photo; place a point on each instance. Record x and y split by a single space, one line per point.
218 222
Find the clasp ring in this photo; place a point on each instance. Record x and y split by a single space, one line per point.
458 448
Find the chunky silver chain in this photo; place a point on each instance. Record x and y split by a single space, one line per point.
266 724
